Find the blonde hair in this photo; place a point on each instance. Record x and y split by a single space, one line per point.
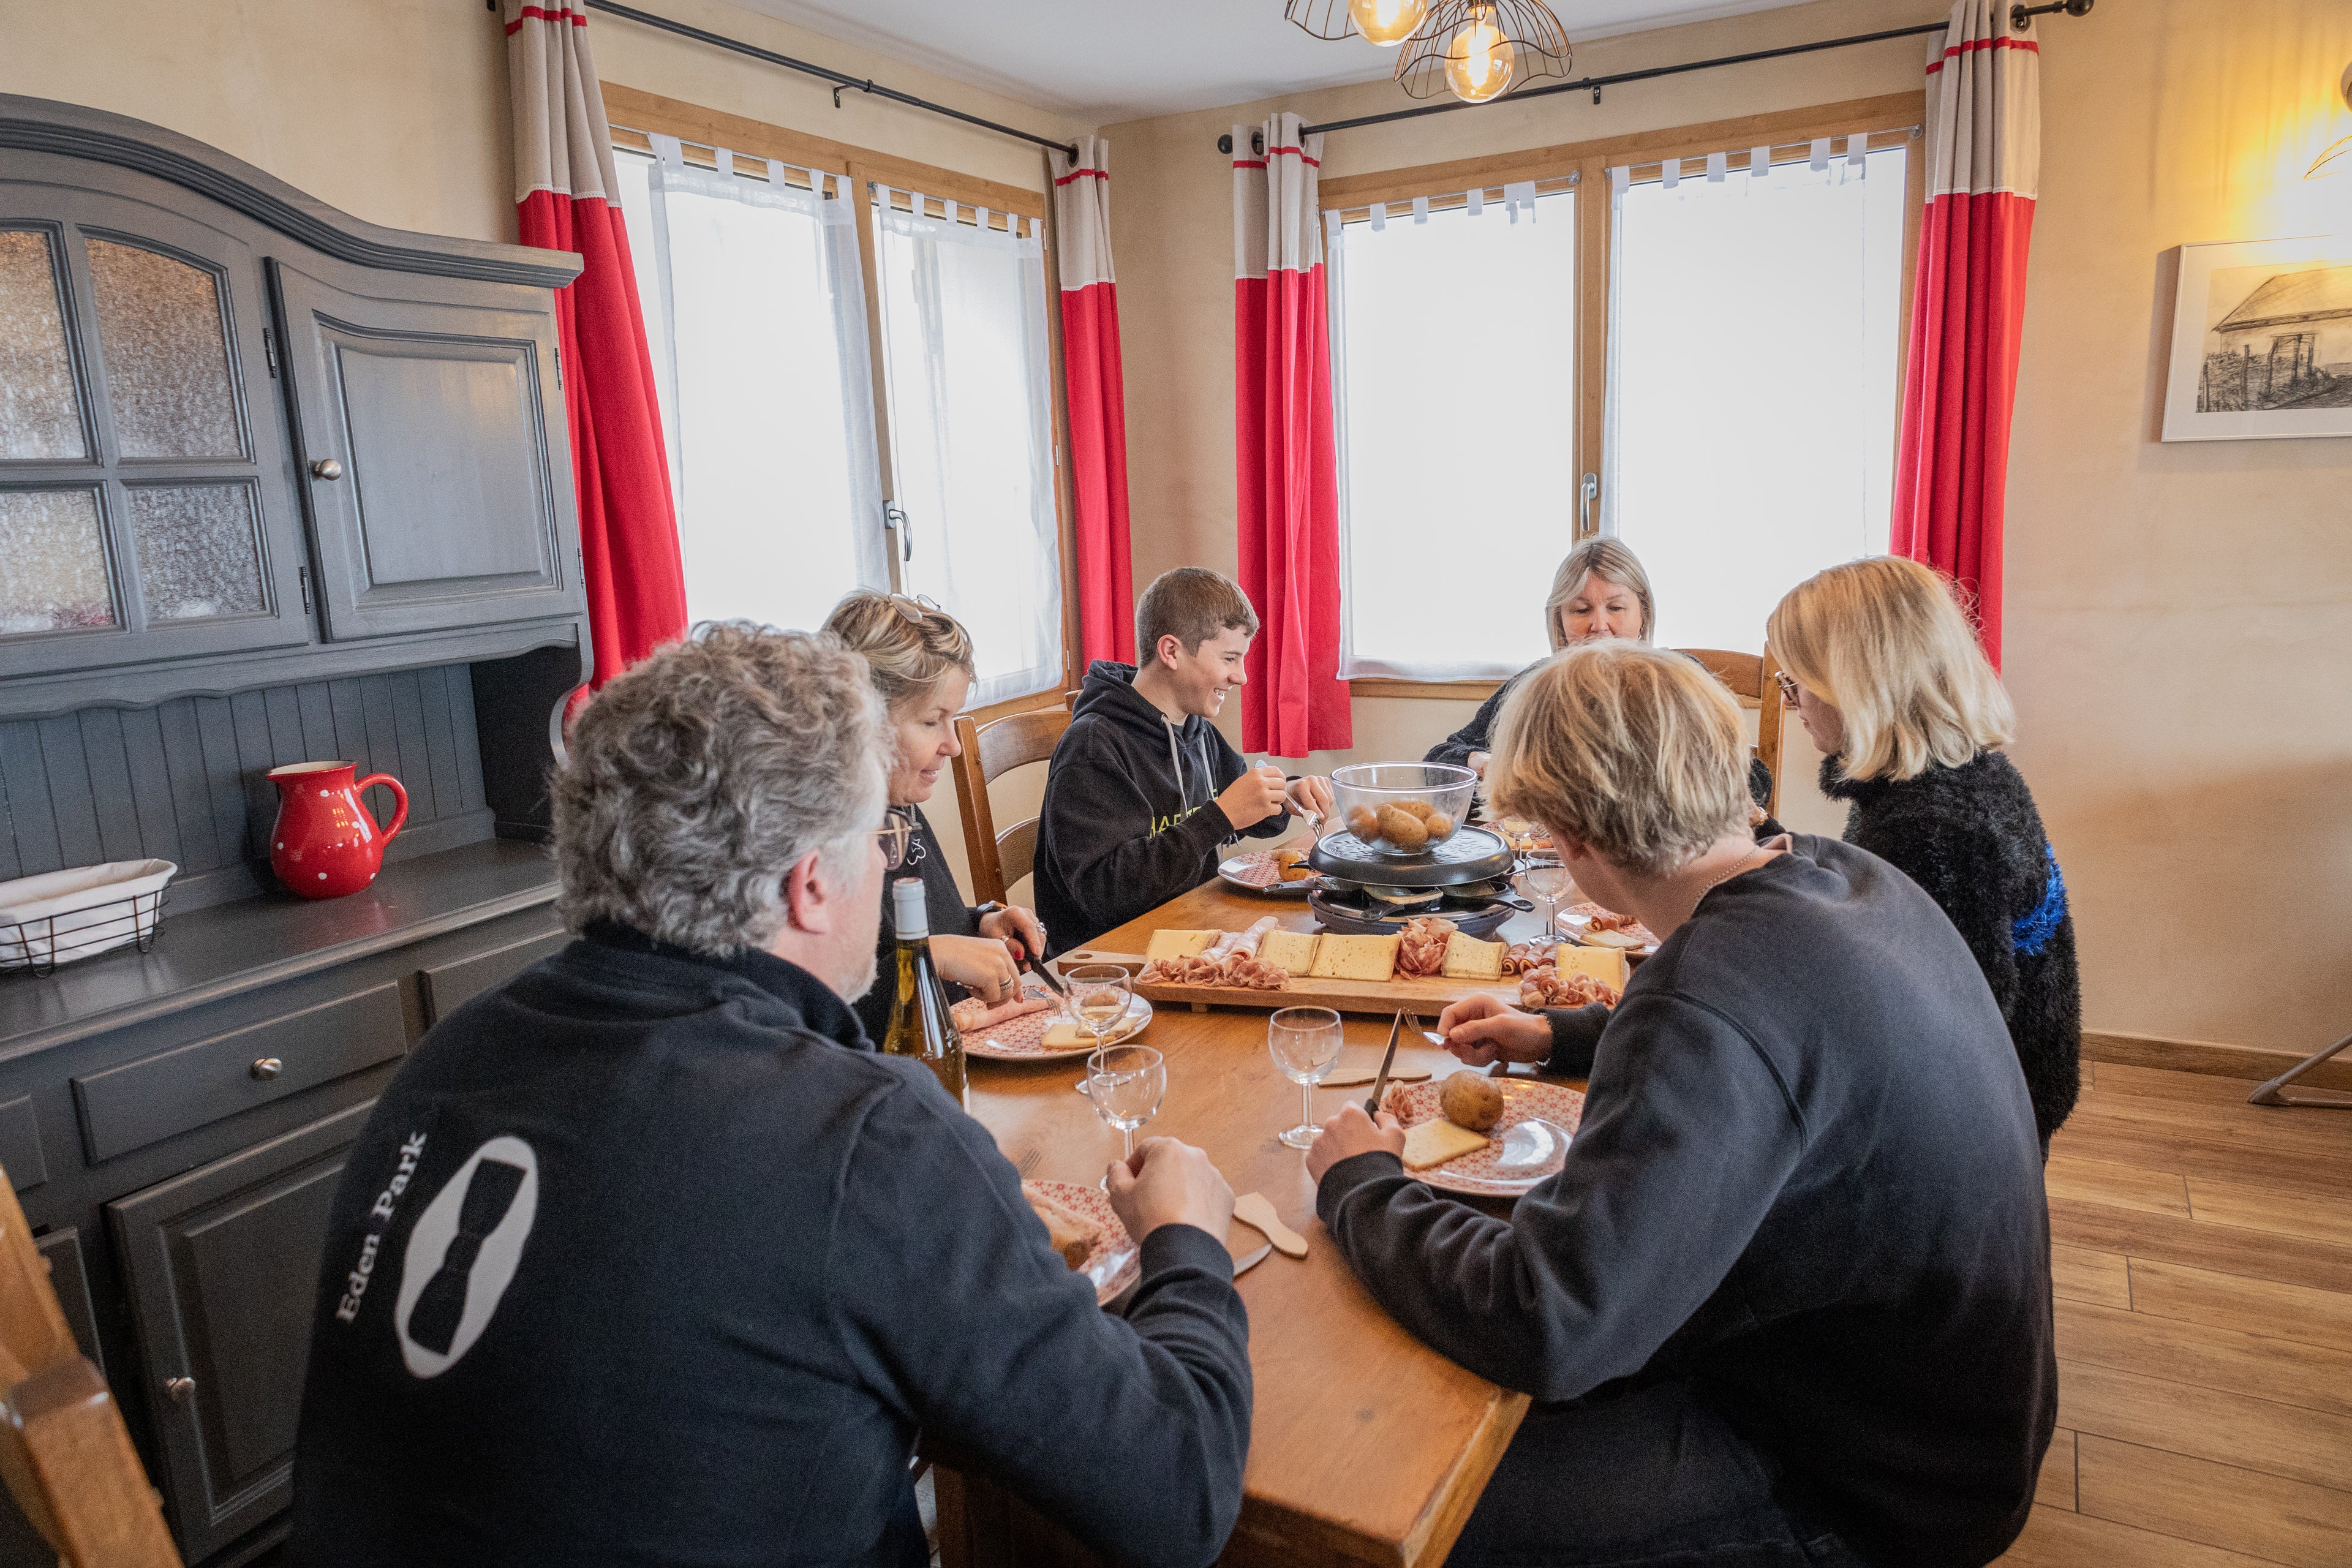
1886 643
1636 751
1612 562
907 657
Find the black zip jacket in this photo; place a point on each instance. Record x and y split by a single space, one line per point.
1479 735
1971 836
646 1257
1130 818
1806 1182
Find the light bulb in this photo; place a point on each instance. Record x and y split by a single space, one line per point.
1478 62
1387 22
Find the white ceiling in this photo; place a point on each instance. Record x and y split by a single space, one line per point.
1103 61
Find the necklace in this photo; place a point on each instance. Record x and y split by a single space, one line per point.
1744 861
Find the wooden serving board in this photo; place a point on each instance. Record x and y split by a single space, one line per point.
1425 997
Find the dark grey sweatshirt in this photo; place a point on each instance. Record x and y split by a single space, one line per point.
1807 1179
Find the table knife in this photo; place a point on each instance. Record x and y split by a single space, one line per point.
1380 1084
1053 981
1243 1265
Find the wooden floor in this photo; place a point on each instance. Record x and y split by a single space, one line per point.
2203 1253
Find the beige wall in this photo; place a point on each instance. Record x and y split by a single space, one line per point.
2180 623
397 112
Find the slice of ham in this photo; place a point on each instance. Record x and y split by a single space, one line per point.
972 1013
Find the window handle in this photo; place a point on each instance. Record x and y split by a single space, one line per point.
1585 492
895 516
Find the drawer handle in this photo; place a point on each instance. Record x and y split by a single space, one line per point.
266 1069
180 1390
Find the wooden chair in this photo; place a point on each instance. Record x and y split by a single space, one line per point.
1750 677
991 750
64 1453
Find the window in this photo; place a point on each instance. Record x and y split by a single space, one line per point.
1752 388
1455 510
757 313
1719 358
964 345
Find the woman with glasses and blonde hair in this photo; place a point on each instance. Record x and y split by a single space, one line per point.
1884 672
922 662
1600 591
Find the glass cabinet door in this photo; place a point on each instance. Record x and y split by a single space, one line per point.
147 508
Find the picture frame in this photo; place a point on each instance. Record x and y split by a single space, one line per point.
2262 340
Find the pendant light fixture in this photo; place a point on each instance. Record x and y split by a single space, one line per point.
1481 49
1387 22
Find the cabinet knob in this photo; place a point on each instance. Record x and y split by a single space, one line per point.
266 1069
180 1390
328 468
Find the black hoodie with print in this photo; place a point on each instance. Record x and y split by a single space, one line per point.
1130 818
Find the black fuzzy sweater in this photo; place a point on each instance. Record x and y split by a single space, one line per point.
1971 838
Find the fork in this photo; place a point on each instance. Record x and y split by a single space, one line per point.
1027 1163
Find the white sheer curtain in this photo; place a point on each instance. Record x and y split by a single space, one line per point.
964 352
759 346
1752 394
1454 508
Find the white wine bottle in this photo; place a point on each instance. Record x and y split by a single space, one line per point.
920 1025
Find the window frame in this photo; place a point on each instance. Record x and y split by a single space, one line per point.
1889 120
636 115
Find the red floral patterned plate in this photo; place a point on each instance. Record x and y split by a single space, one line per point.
1023 1039
1115 1262
1527 1146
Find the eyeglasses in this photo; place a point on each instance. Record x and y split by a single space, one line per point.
915 606
900 848
1788 688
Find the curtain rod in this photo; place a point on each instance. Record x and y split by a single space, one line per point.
1594 84
840 83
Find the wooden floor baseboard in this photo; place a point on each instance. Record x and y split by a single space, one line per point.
2257 1063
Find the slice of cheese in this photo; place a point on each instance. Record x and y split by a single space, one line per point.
1179 943
1605 964
1467 958
1339 957
1070 1036
1436 1141
1293 950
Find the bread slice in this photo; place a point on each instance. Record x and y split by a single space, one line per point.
1179 943
1606 964
1341 957
1467 958
1436 1141
1293 950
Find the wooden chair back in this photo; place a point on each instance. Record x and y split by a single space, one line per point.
1750 677
999 859
64 1453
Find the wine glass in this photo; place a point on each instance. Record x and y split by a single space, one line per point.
1547 884
1305 1042
1126 1083
1100 995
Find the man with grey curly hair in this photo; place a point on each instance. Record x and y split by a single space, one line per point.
649 1256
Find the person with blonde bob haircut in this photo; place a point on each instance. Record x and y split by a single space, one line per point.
1600 592
1885 674
1787 1300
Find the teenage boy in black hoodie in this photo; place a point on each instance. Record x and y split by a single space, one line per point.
1144 793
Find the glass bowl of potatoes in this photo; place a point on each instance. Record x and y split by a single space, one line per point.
1402 809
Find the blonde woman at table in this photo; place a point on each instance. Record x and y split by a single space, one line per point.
1788 1300
1600 591
1885 675
923 666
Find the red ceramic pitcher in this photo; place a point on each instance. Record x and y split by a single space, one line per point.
325 844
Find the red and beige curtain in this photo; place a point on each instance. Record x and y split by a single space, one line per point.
1286 475
1097 400
1984 161
567 198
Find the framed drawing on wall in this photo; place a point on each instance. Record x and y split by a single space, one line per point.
2262 340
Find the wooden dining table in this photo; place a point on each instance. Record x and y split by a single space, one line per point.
1366 1447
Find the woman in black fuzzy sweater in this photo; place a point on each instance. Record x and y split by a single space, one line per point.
1888 679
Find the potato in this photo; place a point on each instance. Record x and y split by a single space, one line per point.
1473 1100
1420 808
1439 826
1403 829
1364 823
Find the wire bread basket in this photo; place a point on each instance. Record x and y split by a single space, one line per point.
63 916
